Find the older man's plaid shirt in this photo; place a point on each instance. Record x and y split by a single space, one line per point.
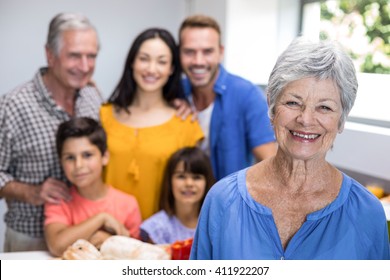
29 118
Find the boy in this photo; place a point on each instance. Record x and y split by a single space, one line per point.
96 210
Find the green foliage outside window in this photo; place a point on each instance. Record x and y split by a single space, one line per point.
363 28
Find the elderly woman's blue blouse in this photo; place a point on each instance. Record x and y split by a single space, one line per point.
234 226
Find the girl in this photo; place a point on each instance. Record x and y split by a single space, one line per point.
142 128
188 177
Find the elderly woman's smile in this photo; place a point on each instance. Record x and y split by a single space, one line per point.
304 136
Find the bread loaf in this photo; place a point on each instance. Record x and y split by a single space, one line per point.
81 250
121 248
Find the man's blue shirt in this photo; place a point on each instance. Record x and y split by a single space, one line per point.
239 123
232 225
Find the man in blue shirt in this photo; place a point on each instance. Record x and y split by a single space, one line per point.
232 111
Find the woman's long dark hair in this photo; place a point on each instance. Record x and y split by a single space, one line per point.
124 92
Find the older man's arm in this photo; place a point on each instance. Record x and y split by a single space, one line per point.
51 190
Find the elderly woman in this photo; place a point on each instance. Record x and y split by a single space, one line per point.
296 205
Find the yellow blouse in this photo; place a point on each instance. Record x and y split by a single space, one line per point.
138 155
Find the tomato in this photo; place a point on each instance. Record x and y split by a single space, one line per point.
181 249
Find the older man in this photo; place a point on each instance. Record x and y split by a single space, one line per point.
30 174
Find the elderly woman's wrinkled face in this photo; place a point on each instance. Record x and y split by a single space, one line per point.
307 116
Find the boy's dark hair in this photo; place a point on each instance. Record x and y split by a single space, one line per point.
81 127
195 161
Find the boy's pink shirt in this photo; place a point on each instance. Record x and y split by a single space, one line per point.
122 206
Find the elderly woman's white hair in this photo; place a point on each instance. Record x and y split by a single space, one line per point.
64 22
322 60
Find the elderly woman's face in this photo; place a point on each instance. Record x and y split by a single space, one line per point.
307 115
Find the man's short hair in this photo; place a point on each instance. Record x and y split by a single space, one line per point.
64 22
200 21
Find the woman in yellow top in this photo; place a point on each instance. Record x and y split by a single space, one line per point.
142 128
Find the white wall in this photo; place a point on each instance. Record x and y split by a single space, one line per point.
213 8
364 149
254 32
245 24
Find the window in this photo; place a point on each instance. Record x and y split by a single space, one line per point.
363 29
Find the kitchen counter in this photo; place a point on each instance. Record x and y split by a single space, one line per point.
33 255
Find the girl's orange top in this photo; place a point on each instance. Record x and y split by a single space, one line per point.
138 155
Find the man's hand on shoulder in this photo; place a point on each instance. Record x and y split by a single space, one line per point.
183 109
51 190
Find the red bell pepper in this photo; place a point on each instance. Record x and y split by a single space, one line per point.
181 249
